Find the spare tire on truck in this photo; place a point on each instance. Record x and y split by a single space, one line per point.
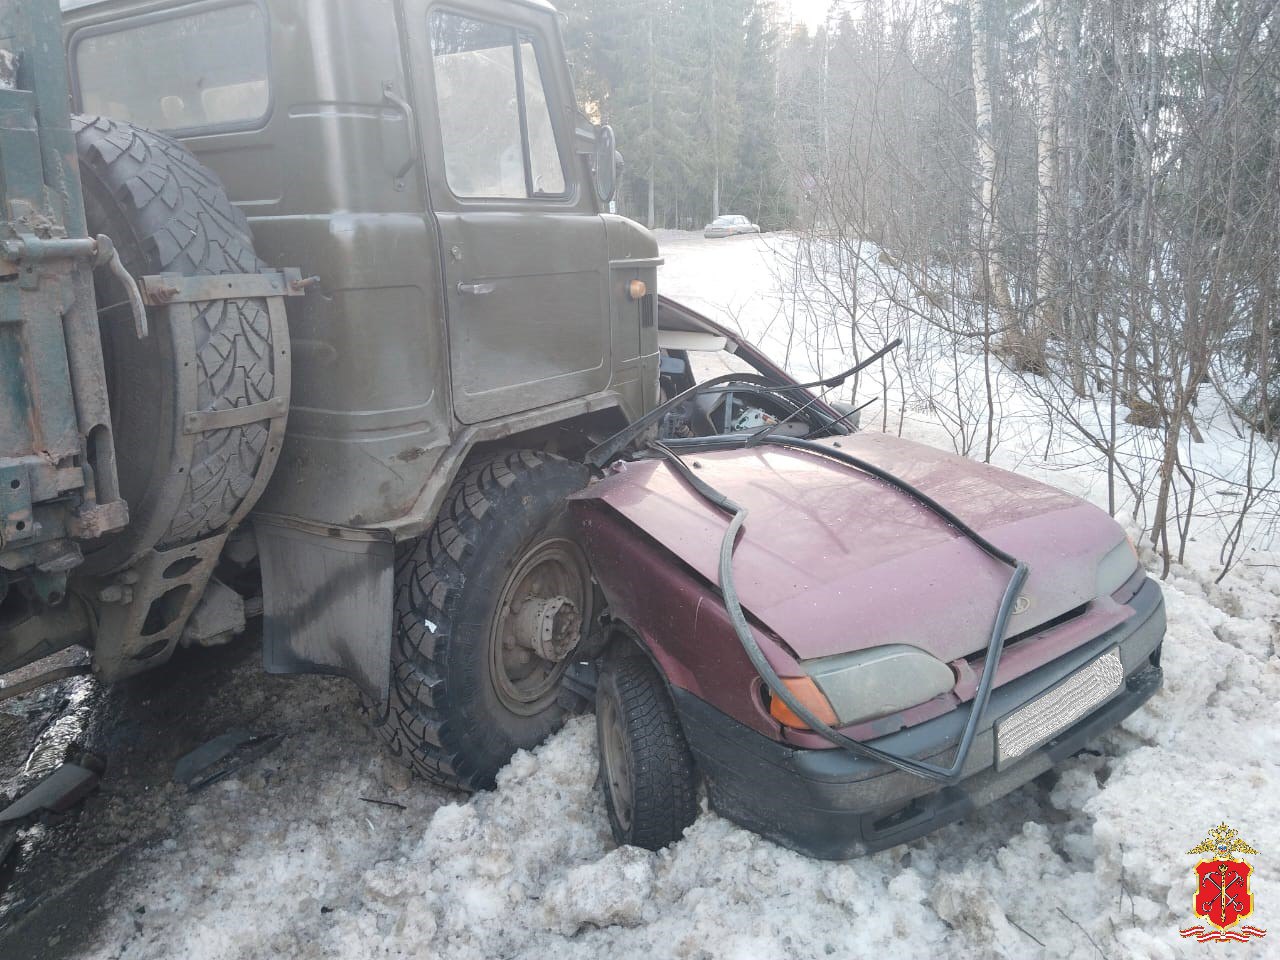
198 405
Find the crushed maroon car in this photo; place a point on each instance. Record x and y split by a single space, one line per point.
851 638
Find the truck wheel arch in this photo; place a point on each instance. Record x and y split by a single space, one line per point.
346 626
489 606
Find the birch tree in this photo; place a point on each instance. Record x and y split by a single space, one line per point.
991 269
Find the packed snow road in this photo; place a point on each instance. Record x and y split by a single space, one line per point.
323 849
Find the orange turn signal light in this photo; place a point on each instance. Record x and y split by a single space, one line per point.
637 289
813 699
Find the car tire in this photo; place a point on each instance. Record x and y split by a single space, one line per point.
646 769
460 702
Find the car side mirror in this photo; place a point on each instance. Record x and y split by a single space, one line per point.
605 163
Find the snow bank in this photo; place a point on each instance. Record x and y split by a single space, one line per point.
289 862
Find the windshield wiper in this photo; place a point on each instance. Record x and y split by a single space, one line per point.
835 423
767 431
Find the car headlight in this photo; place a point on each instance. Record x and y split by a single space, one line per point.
866 684
1115 569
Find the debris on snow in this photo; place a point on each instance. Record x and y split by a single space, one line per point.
207 754
384 803
56 793
221 757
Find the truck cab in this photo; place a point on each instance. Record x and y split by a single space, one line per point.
376 310
429 164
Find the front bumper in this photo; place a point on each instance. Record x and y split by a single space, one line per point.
834 805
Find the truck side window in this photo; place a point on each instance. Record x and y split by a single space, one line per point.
182 71
495 122
544 158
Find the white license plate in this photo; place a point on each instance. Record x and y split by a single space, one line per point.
1050 713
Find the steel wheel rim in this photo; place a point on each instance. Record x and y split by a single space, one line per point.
616 762
525 682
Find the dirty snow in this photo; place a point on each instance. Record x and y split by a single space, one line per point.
286 860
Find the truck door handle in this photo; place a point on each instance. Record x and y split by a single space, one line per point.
476 289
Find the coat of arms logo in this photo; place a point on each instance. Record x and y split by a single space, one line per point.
1222 894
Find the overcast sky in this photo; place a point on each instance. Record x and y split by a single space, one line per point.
810 12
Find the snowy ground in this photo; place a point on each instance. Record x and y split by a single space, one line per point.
287 860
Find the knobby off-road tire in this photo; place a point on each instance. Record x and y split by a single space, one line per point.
646 768
167 213
449 716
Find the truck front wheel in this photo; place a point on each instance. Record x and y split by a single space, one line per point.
490 606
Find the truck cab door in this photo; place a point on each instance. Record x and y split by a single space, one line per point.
525 262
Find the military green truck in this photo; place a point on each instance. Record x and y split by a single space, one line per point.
311 308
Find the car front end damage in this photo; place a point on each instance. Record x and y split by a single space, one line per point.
873 613
829 804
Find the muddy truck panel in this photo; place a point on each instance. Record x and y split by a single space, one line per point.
144 365
58 481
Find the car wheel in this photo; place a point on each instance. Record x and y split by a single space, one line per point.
650 787
490 606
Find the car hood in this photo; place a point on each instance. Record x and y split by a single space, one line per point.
833 560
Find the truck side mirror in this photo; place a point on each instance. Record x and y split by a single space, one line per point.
605 164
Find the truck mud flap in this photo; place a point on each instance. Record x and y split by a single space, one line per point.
327 602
